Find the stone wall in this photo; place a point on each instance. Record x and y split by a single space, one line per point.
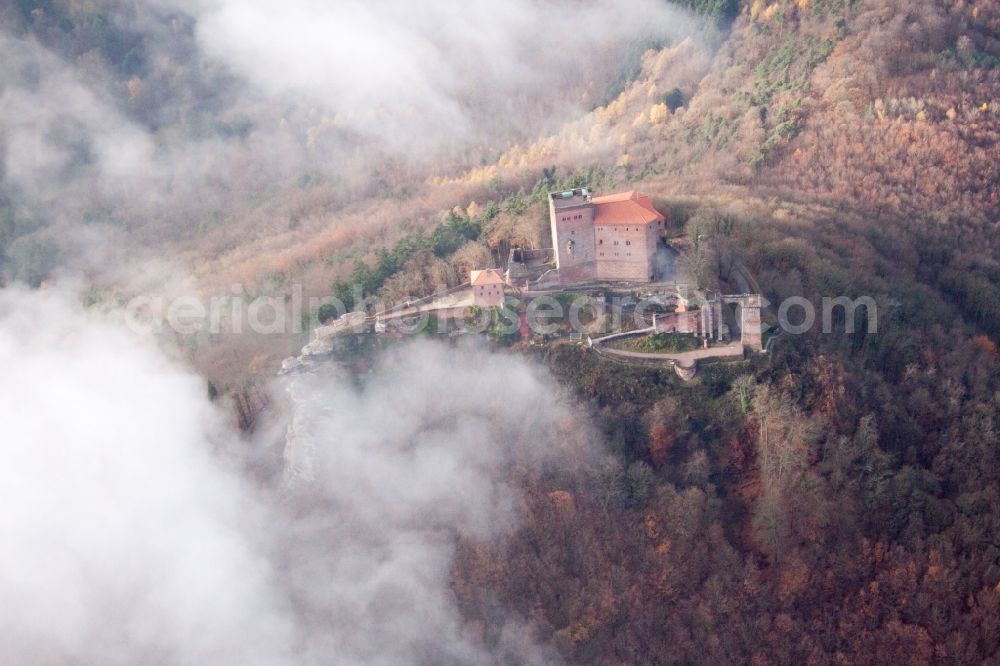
626 252
679 322
751 331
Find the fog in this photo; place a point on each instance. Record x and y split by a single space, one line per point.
161 102
53 122
417 78
124 539
400 80
133 532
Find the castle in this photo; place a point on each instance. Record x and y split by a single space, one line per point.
619 237
613 237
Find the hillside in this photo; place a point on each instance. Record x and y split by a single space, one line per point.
838 148
872 125
834 501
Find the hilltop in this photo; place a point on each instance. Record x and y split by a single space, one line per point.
816 139
831 502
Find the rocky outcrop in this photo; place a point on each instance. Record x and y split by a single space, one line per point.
325 341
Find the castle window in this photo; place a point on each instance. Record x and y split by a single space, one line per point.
628 242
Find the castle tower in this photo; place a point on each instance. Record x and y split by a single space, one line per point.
571 217
752 332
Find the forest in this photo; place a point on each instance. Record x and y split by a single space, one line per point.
837 504
835 501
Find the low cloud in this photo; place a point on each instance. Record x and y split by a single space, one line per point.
126 540
56 128
133 535
180 117
236 91
415 78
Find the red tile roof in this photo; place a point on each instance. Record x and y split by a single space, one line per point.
488 276
625 208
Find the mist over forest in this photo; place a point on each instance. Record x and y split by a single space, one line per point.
220 446
161 119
